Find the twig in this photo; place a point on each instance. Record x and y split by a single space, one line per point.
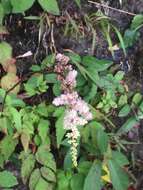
118 10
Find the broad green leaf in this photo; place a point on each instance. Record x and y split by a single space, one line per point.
119 178
128 125
57 88
43 129
7 179
7 146
77 182
6 52
93 177
48 174
119 75
22 6
43 185
51 78
124 111
84 167
44 157
27 167
7 6
96 64
16 118
62 181
120 158
50 6
60 131
91 93
137 21
137 98
42 110
123 100
102 140
68 161
1 14
34 178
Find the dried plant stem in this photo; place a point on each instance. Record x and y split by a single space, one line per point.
112 8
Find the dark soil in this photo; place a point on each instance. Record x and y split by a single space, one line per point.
23 36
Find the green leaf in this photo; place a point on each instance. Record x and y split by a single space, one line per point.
42 110
137 21
77 182
50 6
51 78
102 140
119 76
84 167
123 100
57 88
44 157
43 129
22 6
34 178
78 3
7 6
16 118
7 146
120 158
98 65
62 181
119 178
43 185
6 52
48 174
60 131
7 179
137 98
128 125
1 14
27 167
93 177
124 111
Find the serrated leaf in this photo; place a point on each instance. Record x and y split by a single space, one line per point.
27 167
22 6
128 125
44 157
50 6
93 177
34 178
48 174
119 178
7 179
124 111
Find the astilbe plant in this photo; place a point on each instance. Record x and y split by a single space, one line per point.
77 111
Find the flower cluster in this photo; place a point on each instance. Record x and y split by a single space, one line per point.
77 112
